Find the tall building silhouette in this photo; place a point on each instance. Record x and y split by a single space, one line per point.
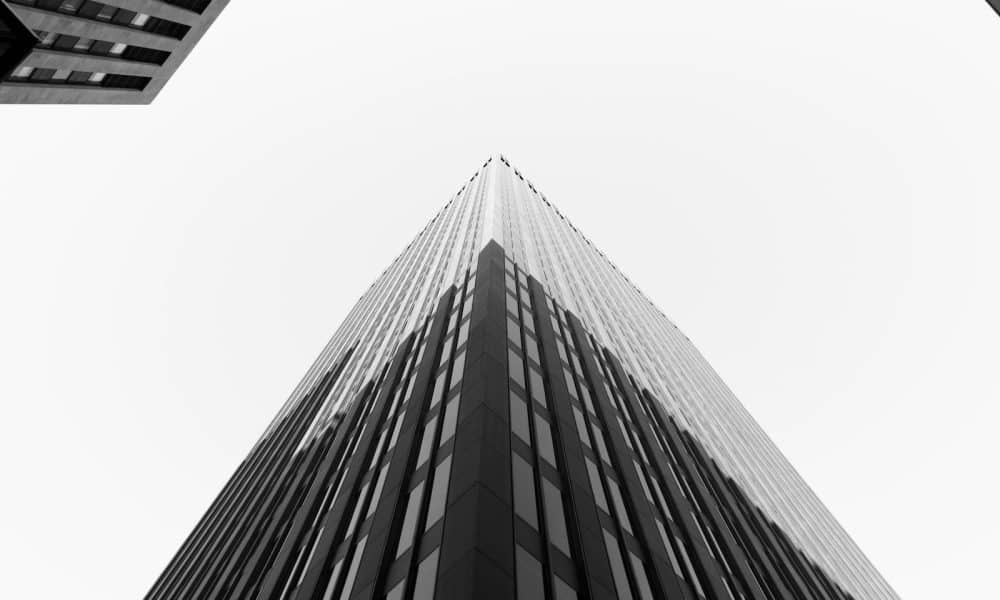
503 414
88 52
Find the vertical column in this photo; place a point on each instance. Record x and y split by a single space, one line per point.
388 518
336 519
248 486
594 569
736 555
663 579
754 547
477 548
279 570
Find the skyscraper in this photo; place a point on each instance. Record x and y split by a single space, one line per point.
504 414
87 52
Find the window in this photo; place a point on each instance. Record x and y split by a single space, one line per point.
555 519
96 77
690 568
68 42
562 589
519 418
616 498
410 520
581 427
22 72
123 17
99 47
426 578
524 490
438 386
532 348
670 549
602 450
427 441
617 567
642 582
353 571
530 585
586 399
118 48
439 493
396 593
334 575
513 332
537 389
358 505
570 383
450 420
140 19
457 371
515 367
106 12
595 485
544 436
377 493
42 75
82 44
446 353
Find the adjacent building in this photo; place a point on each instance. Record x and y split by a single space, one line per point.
504 414
87 52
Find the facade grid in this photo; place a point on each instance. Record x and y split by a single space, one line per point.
89 52
487 422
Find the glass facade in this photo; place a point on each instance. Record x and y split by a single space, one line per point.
504 414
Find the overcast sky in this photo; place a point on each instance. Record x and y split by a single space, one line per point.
808 189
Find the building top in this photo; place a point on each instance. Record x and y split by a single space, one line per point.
499 204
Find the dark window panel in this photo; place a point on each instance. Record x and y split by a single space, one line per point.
166 28
519 418
146 55
439 493
90 9
524 490
409 528
515 367
106 13
123 16
530 585
65 42
543 433
617 567
555 516
450 420
423 589
101 47
131 82
42 74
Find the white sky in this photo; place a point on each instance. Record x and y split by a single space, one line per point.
809 189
